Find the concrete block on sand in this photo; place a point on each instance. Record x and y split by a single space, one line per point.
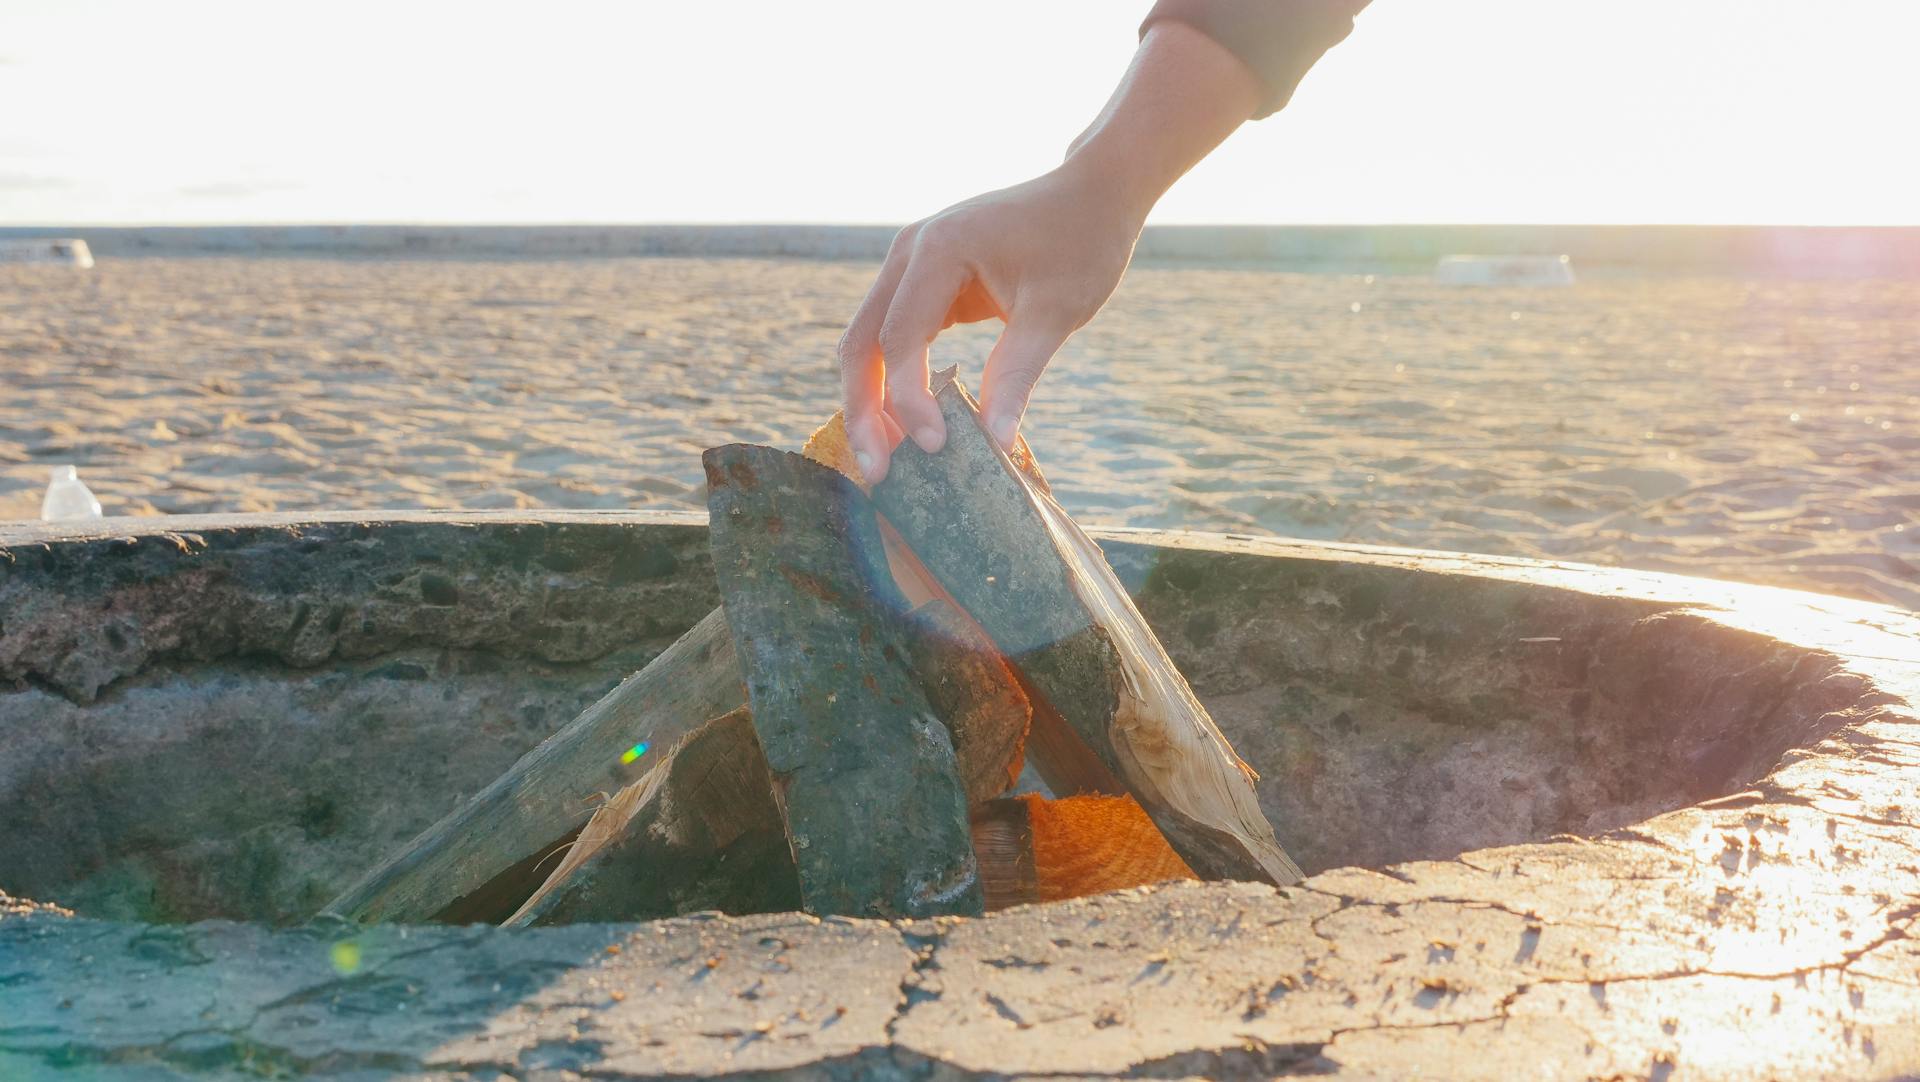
1559 821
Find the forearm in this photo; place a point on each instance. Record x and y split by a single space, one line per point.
1182 96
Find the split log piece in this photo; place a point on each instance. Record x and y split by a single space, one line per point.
524 813
971 688
1061 758
1020 567
1032 849
863 769
699 832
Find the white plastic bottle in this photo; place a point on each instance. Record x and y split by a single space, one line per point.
68 497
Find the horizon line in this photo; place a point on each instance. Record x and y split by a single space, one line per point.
398 223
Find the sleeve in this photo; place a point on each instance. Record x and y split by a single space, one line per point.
1278 39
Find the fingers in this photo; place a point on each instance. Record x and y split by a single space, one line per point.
1013 369
919 312
862 373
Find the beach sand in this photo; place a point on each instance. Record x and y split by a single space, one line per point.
1765 431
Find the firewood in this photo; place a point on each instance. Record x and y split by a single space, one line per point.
1032 849
1062 759
1014 560
863 768
970 688
483 858
700 831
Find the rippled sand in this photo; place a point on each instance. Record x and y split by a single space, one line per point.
1755 430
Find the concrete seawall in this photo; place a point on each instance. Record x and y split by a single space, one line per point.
1769 250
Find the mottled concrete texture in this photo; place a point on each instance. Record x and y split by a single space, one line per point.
236 717
1621 824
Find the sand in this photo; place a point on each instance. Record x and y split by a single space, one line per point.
1759 430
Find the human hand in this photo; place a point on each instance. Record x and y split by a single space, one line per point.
1041 257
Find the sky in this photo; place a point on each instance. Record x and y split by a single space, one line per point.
206 111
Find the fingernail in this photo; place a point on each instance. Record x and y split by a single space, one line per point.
930 439
864 461
1003 428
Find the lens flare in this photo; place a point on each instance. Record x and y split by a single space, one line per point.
633 753
346 957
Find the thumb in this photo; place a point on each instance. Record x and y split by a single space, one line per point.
1013 368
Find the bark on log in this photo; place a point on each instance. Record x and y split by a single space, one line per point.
1063 760
1040 587
700 831
863 769
503 831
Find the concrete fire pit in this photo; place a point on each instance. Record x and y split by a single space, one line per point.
1559 821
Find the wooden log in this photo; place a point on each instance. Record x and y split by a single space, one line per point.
493 845
1003 844
972 690
1008 554
1032 849
700 831
863 769
1063 760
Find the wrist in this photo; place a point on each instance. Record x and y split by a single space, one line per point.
1112 180
1183 94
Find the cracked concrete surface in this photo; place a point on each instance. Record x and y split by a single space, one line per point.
1768 931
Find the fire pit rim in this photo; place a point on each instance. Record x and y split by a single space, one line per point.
1601 974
